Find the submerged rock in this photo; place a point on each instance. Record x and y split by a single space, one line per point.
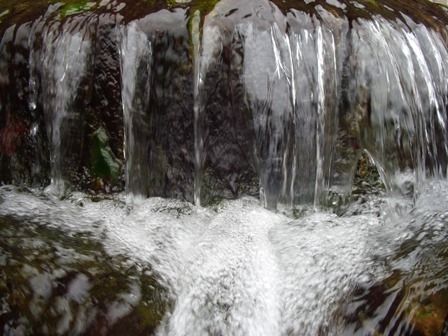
53 282
411 298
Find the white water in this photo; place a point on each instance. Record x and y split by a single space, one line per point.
198 83
320 91
239 269
136 61
309 125
62 62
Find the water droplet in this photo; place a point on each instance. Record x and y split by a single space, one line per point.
34 129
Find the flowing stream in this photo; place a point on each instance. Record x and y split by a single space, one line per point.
216 143
239 269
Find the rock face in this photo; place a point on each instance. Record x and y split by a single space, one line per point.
208 100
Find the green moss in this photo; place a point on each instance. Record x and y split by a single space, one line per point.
4 13
171 3
371 2
104 162
203 6
72 7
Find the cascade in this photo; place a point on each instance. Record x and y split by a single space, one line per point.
249 99
272 167
64 59
136 54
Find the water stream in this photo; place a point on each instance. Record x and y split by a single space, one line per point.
215 144
239 269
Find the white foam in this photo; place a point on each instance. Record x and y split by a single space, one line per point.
238 269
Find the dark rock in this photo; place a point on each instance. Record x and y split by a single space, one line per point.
54 282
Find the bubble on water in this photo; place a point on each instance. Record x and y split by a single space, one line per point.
238 268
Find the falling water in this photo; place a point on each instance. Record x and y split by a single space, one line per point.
266 71
249 109
62 61
398 81
304 94
158 119
136 61
304 164
198 140
295 136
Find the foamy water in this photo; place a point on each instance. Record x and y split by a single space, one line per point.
239 269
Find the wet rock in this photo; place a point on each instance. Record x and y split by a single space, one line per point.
412 297
104 163
105 108
56 283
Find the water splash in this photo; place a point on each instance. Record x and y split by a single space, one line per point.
241 269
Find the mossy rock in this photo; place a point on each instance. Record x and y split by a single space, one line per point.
53 282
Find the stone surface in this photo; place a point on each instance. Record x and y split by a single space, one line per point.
56 283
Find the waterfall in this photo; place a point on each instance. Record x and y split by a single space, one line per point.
63 62
265 100
256 167
408 122
198 139
136 61
158 119
57 70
